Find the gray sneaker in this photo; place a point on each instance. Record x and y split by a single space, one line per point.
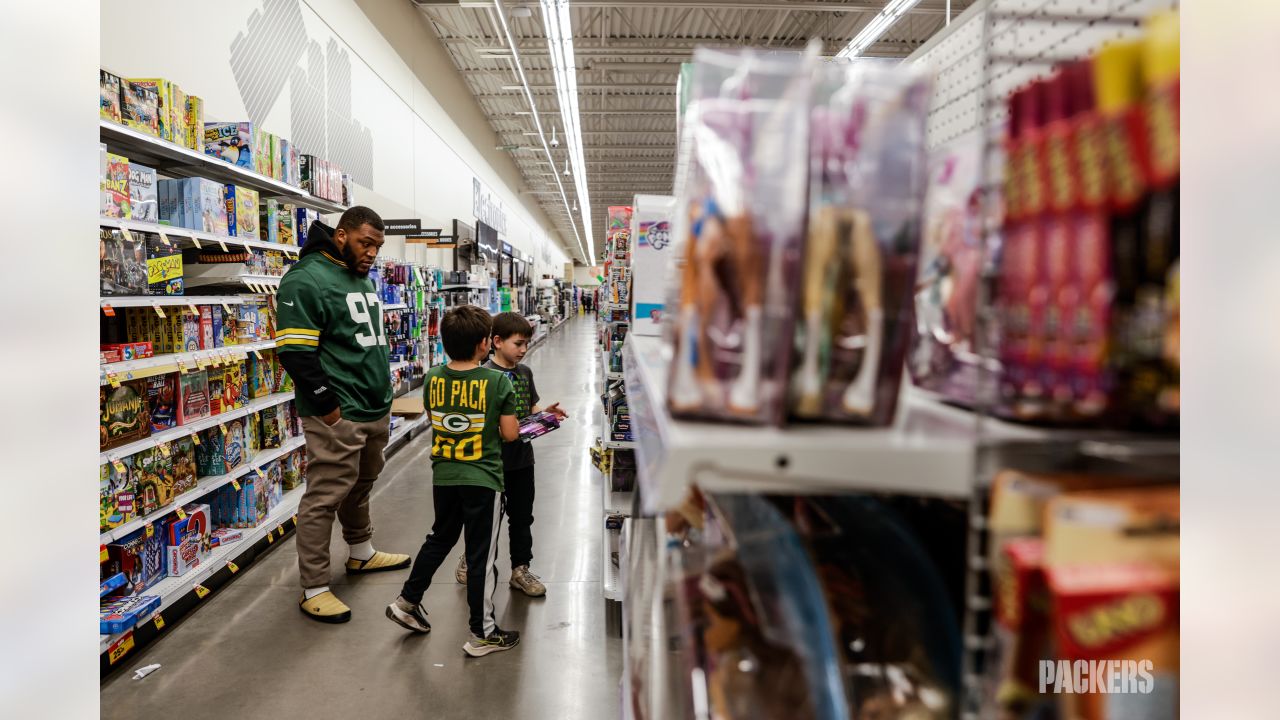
526 582
461 573
408 616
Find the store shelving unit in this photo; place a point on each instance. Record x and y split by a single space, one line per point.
205 486
195 238
191 428
120 301
162 364
279 522
177 160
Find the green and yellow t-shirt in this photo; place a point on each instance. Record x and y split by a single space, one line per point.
464 406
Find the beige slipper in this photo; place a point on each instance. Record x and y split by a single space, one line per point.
325 607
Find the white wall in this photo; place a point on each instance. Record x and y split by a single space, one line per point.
409 156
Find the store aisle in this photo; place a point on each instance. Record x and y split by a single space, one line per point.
249 653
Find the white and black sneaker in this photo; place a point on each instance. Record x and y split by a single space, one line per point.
409 616
497 641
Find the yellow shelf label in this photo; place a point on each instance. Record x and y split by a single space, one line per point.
182 515
164 449
222 245
102 554
259 471
223 428
195 439
226 308
232 567
165 239
151 529
120 648
257 354
127 235
113 379
280 529
235 485
119 466
159 310
270 538
196 241
159 621
192 307
201 591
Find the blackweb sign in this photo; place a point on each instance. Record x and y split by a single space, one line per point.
1096 676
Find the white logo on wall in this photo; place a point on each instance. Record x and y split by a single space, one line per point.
276 50
486 207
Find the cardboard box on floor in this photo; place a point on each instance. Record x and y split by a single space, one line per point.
411 405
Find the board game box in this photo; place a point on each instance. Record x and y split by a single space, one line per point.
160 89
143 198
242 211
231 142
164 267
209 459
115 187
183 459
140 558
216 397
123 414
235 388
258 371
176 114
290 471
119 614
233 452
162 401
195 123
115 493
213 207
109 96
188 540
140 107
273 430
194 403
122 264
153 476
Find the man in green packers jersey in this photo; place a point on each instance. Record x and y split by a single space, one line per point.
472 411
331 340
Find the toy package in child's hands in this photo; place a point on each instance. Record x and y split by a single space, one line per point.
740 218
867 162
538 424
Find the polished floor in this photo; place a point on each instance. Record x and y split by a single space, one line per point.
250 653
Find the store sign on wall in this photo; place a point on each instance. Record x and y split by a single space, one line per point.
486 207
402 227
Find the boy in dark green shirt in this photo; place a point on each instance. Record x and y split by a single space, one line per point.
472 411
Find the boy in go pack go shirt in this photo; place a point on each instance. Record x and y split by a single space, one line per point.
472 411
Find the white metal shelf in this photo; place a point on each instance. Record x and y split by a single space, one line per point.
407 427
205 486
260 284
119 301
395 306
182 431
161 364
175 159
464 286
620 444
930 449
195 237
610 575
172 588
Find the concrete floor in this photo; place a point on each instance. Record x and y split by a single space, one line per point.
250 653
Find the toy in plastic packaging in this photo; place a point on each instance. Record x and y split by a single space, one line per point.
866 187
945 356
740 219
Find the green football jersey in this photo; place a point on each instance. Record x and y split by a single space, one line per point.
466 446
322 307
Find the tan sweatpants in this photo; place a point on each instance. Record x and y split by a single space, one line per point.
343 462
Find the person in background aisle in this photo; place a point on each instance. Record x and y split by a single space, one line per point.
511 334
587 299
472 411
331 341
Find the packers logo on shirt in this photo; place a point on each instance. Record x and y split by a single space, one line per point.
456 422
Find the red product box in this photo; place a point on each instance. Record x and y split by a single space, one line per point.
110 356
129 351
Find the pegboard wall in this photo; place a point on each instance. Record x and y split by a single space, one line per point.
999 45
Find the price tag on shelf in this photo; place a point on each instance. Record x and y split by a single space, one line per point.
192 307
151 529
195 439
270 538
113 379
125 231
119 466
201 362
258 470
159 621
120 648
108 310
232 567
201 591
159 310
227 309
280 529
222 244
165 239
257 354
196 241
182 366
164 449
236 484
182 514
295 519
223 427
102 554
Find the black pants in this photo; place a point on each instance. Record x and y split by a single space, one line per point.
519 507
478 512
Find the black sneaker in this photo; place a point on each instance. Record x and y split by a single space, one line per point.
498 640
408 616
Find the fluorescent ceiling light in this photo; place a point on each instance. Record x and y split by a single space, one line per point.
555 18
537 122
883 20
